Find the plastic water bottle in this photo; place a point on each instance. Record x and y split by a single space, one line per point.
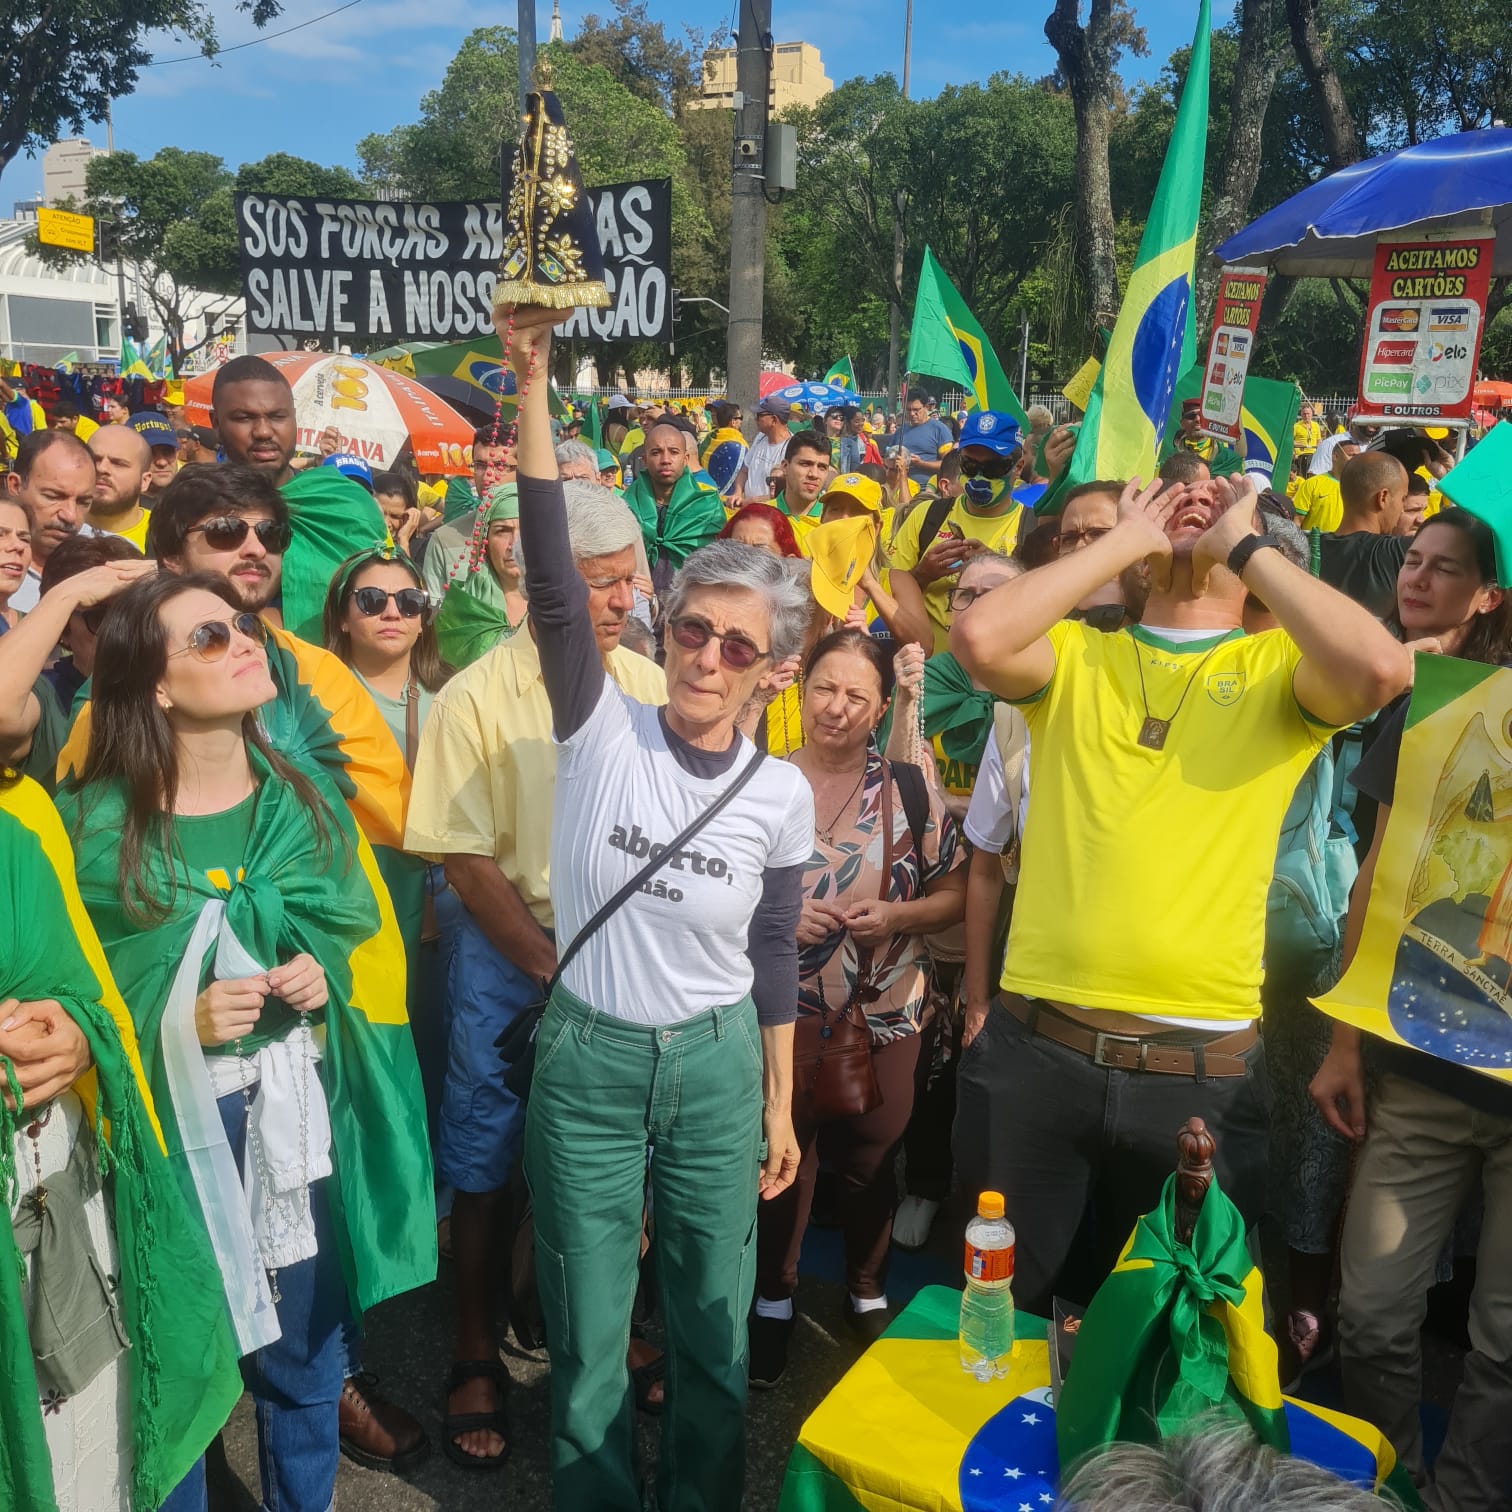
987 1304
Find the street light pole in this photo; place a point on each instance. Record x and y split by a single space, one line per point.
748 207
527 47
895 336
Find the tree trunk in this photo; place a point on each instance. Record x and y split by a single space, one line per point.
1086 60
1254 82
1339 134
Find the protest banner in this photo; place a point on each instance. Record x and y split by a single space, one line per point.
1230 349
380 272
1423 333
1434 965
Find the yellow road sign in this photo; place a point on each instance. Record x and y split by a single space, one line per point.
61 228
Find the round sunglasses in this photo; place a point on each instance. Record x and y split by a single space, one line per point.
211 641
736 651
372 601
227 532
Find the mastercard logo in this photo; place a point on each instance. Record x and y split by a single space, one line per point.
1400 319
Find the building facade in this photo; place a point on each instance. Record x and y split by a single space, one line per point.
798 78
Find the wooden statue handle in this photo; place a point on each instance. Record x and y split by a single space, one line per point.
1194 1174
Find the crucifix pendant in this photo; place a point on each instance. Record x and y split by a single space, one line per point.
1153 732
36 1200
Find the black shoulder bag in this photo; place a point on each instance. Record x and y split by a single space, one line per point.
517 1044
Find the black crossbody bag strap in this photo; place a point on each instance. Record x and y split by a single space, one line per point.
646 872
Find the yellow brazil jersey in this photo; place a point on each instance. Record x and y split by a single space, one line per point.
995 532
1307 436
1145 871
958 778
1319 503
136 534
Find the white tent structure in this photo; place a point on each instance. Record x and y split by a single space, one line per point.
51 312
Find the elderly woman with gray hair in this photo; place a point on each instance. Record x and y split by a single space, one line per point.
676 876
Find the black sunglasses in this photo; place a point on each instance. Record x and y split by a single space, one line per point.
227 532
372 601
735 651
211 641
997 467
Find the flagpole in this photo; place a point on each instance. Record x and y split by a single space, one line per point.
895 336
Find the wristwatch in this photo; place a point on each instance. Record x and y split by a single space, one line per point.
1239 557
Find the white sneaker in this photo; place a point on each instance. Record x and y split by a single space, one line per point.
915 1218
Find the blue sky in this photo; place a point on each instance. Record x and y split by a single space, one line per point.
320 90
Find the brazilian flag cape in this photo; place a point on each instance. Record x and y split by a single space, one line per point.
955 710
332 516
181 1372
326 723
692 518
292 895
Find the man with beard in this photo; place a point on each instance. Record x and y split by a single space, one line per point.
677 513
330 516
163 440
54 478
233 522
1131 983
123 464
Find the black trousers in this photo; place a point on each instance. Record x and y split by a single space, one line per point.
1079 1152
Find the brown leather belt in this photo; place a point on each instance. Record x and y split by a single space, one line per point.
1126 1052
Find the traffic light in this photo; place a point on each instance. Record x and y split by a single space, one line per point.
136 324
107 240
676 306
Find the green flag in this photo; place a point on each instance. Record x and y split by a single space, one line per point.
1153 339
842 375
332 517
593 426
947 341
179 1378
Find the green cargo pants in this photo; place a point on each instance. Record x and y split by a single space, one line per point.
605 1094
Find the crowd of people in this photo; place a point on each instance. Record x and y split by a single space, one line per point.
400 871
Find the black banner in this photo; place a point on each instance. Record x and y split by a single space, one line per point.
379 272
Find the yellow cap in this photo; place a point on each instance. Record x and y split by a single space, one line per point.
839 554
990 1205
865 491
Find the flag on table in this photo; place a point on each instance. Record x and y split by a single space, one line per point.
1153 339
947 341
1433 970
986 1446
842 375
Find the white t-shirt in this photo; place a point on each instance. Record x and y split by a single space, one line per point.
988 824
761 457
679 949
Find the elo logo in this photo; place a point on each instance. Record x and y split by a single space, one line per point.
1450 351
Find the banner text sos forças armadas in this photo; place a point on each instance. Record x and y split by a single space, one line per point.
1230 349
381 272
1423 333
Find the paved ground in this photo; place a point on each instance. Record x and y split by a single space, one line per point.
406 1348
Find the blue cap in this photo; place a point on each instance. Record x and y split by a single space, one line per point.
997 432
154 429
351 467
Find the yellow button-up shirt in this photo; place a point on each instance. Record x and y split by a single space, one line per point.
486 769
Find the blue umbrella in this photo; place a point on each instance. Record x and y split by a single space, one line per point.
1328 230
815 395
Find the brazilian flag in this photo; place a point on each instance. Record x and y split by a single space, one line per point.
998 1446
332 516
1154 338
180 1374
291 894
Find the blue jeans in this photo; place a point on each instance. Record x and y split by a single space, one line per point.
482 1121
296 1381
191 1494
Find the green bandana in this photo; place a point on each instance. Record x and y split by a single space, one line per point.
692 518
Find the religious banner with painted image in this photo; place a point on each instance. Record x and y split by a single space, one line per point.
1434 967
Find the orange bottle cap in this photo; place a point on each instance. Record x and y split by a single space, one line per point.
990 1205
